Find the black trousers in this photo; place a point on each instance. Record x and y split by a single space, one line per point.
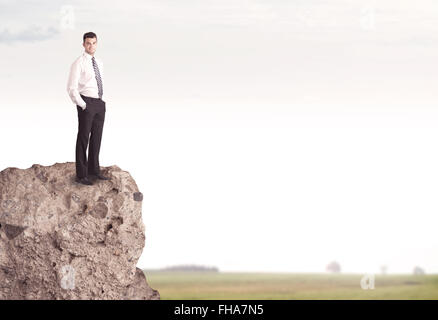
90 122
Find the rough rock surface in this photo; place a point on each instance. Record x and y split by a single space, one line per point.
63 240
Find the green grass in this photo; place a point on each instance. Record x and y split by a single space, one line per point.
224 285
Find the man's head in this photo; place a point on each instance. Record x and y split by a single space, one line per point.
90 42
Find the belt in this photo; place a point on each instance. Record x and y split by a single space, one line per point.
90 97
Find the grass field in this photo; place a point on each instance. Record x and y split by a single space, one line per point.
223 285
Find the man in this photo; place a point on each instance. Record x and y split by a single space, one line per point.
85 88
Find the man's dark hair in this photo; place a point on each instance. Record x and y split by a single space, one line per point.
89 35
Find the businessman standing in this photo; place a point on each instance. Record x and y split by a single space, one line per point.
85 88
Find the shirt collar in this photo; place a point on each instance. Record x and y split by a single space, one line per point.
87 55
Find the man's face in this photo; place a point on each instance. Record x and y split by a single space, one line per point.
90 45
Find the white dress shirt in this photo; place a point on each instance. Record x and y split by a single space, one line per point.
82 79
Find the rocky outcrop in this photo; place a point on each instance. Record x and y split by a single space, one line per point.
64 240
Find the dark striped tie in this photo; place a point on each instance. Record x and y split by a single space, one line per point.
98 79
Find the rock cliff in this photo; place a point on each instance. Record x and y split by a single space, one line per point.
64 240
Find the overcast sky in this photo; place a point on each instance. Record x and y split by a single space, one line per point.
265 135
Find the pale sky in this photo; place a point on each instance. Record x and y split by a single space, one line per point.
264 135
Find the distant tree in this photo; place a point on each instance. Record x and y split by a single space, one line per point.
333 267
418 271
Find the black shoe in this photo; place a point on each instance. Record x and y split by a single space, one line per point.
100 177
84 180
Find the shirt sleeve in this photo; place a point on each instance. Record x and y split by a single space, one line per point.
72 84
